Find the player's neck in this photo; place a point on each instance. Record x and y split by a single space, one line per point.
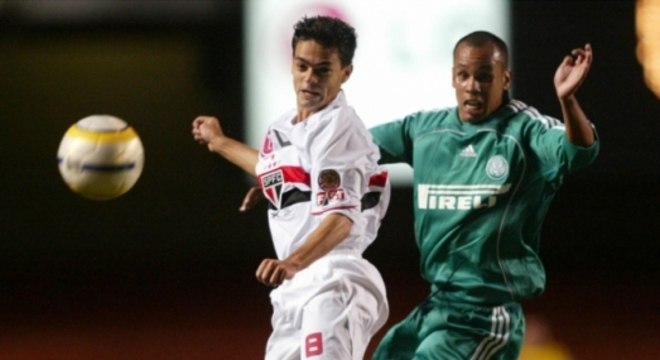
303 115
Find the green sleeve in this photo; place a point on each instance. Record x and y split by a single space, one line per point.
581 156
394 141
559 155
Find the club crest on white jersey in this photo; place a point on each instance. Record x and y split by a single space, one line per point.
330 183
271 185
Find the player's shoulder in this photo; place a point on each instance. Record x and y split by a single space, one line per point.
339 118
426 120
437 114
528 116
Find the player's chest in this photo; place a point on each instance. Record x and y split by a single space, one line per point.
282 148
283 163
481 157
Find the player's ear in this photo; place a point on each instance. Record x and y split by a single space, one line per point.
507 79
347 71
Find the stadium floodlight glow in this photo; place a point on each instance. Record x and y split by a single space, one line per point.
647 28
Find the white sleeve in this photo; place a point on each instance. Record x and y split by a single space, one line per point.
340 153
375 203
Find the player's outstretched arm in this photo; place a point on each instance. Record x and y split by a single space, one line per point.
251 199
206 130
330 232
569 76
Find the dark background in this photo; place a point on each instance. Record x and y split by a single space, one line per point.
166 271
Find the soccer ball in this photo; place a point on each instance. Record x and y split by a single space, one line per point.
100 157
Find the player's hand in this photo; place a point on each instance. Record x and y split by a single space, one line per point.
253 196
572 71
272 272
205 129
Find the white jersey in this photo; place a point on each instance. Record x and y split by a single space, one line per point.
324 165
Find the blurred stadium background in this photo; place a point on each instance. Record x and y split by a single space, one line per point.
166 271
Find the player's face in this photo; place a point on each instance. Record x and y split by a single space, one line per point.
317 76
479 77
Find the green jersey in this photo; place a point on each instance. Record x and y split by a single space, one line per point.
481 192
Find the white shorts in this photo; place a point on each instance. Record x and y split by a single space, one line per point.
330 310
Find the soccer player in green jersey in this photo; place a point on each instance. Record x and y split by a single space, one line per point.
485 173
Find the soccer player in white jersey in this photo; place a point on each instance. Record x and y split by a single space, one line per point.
485 173
318 170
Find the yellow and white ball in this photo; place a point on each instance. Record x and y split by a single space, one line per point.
100 157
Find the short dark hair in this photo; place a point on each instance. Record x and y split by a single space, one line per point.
329 32
481 38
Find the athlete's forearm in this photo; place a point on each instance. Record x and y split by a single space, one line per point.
334 229
578 127
236 152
